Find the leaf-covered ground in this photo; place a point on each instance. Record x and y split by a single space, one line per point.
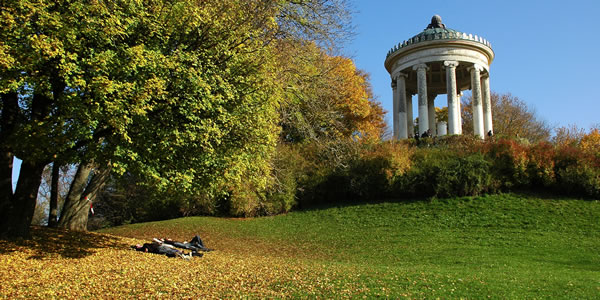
90 265
506 246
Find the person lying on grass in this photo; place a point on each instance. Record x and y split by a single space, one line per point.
158 247
167 247
195 244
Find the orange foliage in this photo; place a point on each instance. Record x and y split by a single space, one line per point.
542 159
325 95
510 159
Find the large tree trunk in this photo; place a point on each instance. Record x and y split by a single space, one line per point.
75 210
75 203
6 166
16 209
53 215
7 124
15 220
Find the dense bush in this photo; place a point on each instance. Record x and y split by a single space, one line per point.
582 180
463 143
363 171
372 173
333 173
289 168
441 173
577 171
541 158
453 166
509 162
125 201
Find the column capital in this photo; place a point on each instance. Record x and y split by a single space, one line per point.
450 63
485 75
393 84
420 66
475 67
397 75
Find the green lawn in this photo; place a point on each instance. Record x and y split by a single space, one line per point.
503 246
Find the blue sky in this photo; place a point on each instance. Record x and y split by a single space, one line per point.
547 52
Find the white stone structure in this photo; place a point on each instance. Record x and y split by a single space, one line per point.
437 61
442 128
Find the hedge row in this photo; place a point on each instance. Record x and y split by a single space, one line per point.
446 167
306 175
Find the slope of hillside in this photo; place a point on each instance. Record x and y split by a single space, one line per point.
506 246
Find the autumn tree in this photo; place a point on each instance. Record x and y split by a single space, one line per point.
325 97
327 23
441 114
181 93
177 91
569 135
511 117
587 140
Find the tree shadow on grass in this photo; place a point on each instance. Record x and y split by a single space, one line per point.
49 242
317 206
574 263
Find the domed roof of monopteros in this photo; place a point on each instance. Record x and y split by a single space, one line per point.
436 30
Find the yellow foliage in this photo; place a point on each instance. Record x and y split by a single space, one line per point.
353 96
568 135
326 95
399 156
590 143
74 265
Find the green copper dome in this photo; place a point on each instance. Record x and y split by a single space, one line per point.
438 31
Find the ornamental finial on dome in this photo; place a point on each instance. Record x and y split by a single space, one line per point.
436 22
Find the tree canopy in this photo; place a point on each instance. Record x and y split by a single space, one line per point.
325 97
511 117
176 90
189 96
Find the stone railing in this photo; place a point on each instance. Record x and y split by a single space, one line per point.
446 35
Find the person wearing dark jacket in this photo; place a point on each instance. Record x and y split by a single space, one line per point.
160 248
195 244
167 247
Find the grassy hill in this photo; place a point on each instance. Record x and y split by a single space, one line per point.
503 246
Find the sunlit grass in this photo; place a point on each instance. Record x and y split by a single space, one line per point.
504 246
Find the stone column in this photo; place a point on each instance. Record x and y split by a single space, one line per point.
409 115
401 91
476 94
452 97
487 104
459 111
431 114
442 128
396 125
422 87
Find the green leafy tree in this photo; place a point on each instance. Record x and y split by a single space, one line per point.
325 23
177 91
